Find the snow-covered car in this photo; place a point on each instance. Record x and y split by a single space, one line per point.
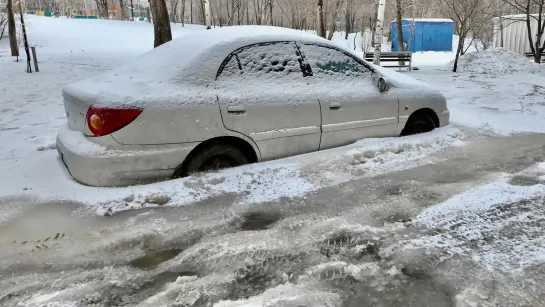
230 96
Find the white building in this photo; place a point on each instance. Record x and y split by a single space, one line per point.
515 33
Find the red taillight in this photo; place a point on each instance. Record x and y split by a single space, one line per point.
103 120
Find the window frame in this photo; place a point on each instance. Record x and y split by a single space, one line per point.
238 50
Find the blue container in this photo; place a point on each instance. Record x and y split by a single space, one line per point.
429 34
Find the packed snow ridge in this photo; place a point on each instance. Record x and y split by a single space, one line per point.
496 61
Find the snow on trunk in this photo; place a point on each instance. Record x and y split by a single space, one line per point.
207 14
379 31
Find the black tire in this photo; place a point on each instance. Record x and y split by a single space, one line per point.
420 124
214 158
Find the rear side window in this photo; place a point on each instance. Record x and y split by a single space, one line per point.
276 61
333 64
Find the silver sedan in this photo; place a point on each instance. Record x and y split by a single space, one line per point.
230 96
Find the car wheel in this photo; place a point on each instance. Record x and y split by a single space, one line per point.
420 124
214 158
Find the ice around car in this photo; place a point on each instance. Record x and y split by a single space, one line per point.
230 96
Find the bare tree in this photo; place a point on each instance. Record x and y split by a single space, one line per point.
183 13
123 12
206 13
484 37
349 18
379 31
271 13
161 25
465 14
25 39
3 24
334 13
12 31
321 24
534 11
173 15
102 8
399 26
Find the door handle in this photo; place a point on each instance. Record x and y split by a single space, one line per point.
335 106
236 109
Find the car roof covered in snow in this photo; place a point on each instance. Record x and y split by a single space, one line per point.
193 59
180 71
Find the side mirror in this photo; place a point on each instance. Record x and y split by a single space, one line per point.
383 84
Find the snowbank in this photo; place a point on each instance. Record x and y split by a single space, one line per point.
496 61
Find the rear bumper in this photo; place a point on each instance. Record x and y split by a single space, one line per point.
117 165
444 118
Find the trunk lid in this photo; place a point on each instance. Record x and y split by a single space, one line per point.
76 111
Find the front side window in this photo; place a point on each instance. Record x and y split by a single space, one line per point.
333 64
276 61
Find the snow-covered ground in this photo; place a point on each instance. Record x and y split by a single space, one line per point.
352 204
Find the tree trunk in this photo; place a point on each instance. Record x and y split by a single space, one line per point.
271 11
238 13
123 10
334 21
183 13
161 24
399 27
458 52
346 23
379 31
247 15
191 12
173 11
321 25
540 29
12 31
4 25
25 39
501 32
373 22
207 15
104 9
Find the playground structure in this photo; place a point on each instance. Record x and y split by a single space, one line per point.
113 13
91 14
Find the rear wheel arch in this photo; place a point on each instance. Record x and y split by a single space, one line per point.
246 148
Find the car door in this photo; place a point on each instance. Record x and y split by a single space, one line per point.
352 107
260 91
